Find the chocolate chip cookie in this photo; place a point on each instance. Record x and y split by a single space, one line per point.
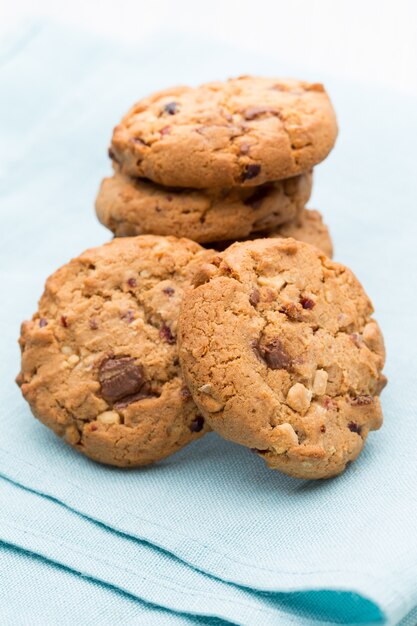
134 206
245 131
281 354
99 358
307 226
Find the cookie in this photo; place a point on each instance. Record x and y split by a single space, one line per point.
100 359
281 354
309 227
134 206
245 131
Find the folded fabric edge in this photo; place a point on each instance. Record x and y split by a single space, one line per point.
265 608
93 585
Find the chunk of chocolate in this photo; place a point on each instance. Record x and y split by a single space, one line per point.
171 108
254 297
169 291
128 316
274 355
132 282
43 322
291 310
354 428
120 377
64 321
251 171
165 333
144 393
197 424
255 200
307 303
185 393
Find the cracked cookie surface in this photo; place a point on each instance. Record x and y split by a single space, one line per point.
281 354
134 206
244 131
100 359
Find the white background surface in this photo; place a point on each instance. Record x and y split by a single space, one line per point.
367 40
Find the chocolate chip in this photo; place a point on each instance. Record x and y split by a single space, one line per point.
255 200
129 316
354 428
120 377
43 322
197 424
274 355
132 282
165 130
169 198
254 112
362 400
165 333
145 392
291 310
254 297
93 323
251 171
64 321
322 428
307 303
169 291
171 108
185 393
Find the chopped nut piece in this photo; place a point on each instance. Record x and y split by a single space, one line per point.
329 296
320 383
276 282
66 350
205 388
72 436
73 359
284 438
108 417
299 397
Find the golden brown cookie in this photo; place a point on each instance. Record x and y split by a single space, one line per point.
99 358
134 206
245 131
307 226
281 354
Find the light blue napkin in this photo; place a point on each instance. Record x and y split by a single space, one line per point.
213 506
35 591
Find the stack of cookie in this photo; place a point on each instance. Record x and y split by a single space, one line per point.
223 162
146 343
